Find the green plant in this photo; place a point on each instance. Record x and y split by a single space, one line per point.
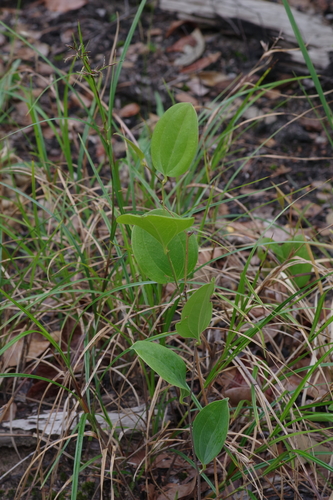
165 253
289 251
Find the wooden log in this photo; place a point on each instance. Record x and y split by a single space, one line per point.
265 15
56 422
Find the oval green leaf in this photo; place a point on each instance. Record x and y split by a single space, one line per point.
210 429
166 363
293 248
154 263
197 313
175 140
289 249
162 227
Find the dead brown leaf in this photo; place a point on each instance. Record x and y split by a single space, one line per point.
129 110
212 78
202 63
223 209
273 94
196 86
21 114
8 411
179 46
152 120
80 99
42 48
151 491
166 460
173 490
258 312
135 50
322 185
185 97
66 36
312 445
137 458
280 171
192 52
241 232
309 209
207 272
63 6
42 387
37 344
155 32
323 196
329 218
25 30
237 394
174 26
234 386
317 386
311 124
28 53
270 143
48 132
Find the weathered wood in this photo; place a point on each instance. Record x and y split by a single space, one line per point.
56 422
316 33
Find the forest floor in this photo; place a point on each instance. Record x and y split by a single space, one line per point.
282 161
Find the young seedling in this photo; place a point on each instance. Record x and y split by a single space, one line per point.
166 253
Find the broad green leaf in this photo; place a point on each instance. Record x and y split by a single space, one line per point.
210 429
175 140
155 263
289 249
158 266
296 247
197 313
162 227
166 363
